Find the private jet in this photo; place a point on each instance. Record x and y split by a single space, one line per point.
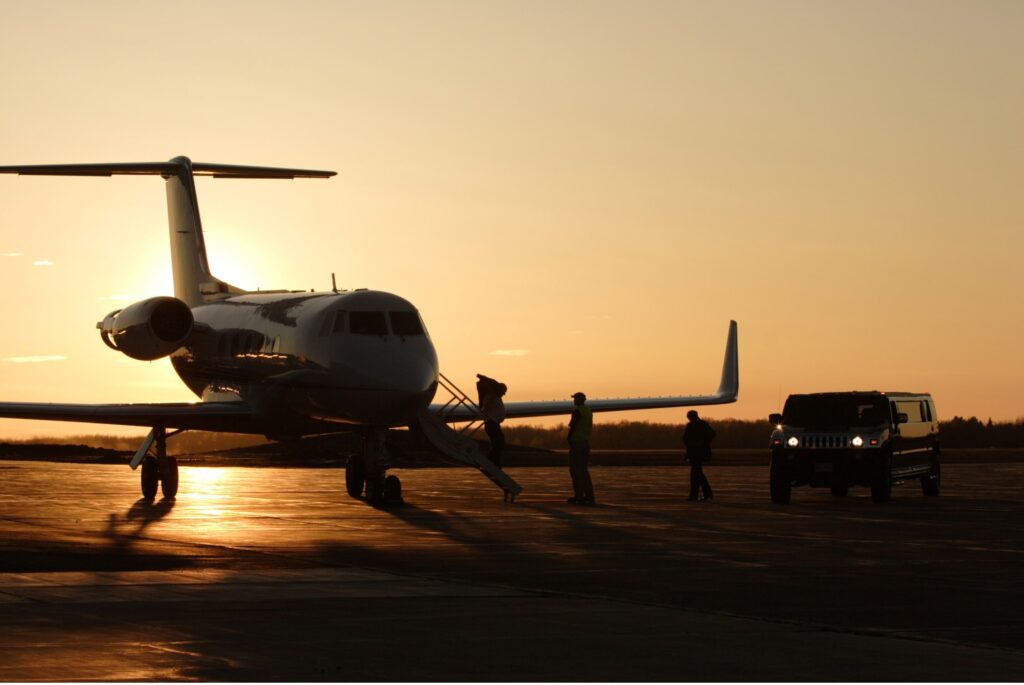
287 364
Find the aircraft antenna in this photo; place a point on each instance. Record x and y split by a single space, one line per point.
334 284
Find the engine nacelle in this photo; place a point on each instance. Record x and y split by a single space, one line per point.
148 330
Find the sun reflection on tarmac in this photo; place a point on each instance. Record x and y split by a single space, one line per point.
208 489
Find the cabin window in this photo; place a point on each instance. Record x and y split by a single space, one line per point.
368 323
405 323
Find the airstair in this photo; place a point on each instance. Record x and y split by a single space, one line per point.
458 445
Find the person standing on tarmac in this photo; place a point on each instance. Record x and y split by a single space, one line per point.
489 393
580 426
697 437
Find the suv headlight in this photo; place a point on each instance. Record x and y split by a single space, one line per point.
793 441
857 441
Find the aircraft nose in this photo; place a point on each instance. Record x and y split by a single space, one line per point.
390 381
413 381
418 375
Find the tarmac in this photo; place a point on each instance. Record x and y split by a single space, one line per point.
271 574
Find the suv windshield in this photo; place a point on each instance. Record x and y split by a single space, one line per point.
837 411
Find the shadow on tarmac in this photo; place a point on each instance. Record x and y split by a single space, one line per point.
141 514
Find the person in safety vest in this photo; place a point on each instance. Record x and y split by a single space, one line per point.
697 437
580 426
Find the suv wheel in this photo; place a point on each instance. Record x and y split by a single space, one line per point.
779 483
881 486
930 481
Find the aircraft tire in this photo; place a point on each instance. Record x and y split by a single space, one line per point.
393 490
930 482
840 491
150 478
169 478
779 484
374 490
355 476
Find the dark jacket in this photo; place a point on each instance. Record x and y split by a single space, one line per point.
489 393
697 437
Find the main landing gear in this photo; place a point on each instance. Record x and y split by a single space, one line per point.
158 470
368 471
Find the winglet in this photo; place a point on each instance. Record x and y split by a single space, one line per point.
729 388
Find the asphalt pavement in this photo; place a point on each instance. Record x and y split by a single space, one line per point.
276 574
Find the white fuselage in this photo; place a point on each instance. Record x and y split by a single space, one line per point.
357 357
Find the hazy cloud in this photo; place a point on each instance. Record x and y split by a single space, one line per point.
36 358
12 254
508 353
119 298
42 262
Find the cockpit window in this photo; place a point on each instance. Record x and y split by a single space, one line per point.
406 323
339 322
367 323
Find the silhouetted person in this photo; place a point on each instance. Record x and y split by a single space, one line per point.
580 426
697 437
489 393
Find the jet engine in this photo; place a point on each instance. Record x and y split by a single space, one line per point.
148 330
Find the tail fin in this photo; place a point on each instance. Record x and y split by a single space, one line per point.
730 385
193 281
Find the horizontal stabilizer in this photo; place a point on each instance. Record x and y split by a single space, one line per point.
163 169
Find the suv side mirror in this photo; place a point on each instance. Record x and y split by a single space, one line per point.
901 418
775 418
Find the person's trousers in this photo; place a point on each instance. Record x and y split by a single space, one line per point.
497 438
579 469
698 481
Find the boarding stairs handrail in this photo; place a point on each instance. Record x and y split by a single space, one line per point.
459 444
459 399
465 450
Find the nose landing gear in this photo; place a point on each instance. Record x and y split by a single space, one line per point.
368 472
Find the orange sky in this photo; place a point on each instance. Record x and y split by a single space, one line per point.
600 185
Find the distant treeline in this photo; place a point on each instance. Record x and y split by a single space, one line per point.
640 435
732 434
190 442
739 434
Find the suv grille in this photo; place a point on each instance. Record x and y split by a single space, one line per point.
825 440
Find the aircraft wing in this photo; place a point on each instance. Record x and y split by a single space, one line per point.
728 391
233 417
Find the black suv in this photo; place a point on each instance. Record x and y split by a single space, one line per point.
838 439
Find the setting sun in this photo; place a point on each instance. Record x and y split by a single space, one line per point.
587 213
